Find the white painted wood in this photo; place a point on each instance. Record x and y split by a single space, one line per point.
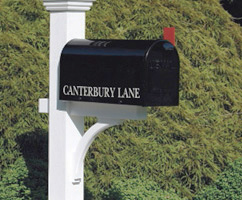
65 131
111 111
43 105
68 5
85 143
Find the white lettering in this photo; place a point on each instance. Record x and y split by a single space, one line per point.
137 94
85 91
131 92
107 92
112 90
64 90
80 90
100 92
125 93
76 93
90 92
71 91
119 93
95 92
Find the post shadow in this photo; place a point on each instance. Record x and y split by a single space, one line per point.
34 148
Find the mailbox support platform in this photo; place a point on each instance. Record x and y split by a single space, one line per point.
68 143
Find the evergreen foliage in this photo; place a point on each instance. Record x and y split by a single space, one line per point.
180 148
138 189
227 186
23 80
12 185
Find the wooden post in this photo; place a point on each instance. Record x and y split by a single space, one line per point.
67 21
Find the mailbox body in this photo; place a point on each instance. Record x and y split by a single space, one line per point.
132 72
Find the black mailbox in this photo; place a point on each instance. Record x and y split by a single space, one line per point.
132 72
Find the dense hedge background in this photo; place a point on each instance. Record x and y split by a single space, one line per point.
23 80
227 186
138 189
181 149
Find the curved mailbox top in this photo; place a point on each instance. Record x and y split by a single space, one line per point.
132 72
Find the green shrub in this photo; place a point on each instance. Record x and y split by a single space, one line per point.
24 38
12 184
138 189
228 186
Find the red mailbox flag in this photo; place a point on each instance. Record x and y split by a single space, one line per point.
169 34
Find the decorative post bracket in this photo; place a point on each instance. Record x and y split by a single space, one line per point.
84 144
108 115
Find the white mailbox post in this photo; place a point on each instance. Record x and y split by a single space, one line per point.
109 79
68 143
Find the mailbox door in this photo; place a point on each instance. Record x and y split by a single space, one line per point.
162 75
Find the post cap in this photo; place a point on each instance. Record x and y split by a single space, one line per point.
68 5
